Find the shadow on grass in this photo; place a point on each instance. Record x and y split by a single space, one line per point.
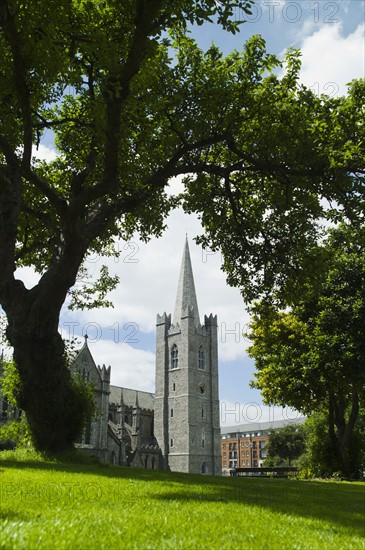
341 504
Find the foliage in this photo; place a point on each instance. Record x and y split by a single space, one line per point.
92 295
273 461
85 392
16 433
267 211
286 443
320 456
9 382
54 504
313 353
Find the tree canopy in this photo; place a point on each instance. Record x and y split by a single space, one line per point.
312 355
286 444
132 102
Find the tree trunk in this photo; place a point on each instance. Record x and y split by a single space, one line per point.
345 430
54 405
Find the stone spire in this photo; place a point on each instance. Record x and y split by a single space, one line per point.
186 295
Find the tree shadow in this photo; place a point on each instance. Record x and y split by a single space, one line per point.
340 504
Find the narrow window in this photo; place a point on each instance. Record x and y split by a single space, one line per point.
174 357
171 442
201 359
203 412
88 433
172 413
173 386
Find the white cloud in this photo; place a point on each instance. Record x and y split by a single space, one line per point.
131 368
330 59
44 153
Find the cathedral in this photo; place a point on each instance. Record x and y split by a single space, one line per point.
177 428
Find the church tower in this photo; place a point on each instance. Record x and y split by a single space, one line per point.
186 399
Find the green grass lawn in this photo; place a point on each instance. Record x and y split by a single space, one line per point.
55 505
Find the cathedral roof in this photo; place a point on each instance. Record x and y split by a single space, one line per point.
186 295
145 400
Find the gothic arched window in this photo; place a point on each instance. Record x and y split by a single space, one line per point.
201 365
174 357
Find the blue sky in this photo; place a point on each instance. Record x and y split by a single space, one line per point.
331 37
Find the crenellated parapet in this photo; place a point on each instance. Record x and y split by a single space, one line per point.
163 319
104 373
210 320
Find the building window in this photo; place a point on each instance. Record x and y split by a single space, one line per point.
174 357
205 468
171 442
201 365
202 412
173 386
88 433
172 413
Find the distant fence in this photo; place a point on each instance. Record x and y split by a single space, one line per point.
279 471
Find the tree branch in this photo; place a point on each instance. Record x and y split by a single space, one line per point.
20 79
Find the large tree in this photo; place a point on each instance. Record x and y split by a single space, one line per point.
312 356
128 113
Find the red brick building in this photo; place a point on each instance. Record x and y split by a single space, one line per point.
245 445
